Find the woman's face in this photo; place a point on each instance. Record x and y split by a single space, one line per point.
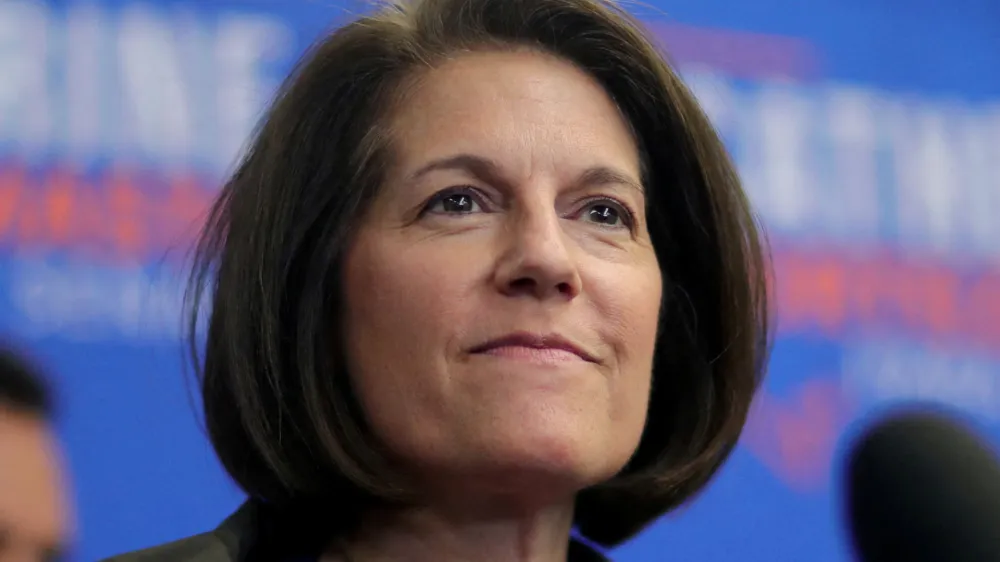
502 293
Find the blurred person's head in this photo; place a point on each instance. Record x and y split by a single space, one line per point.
33 510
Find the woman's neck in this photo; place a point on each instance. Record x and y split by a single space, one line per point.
538 534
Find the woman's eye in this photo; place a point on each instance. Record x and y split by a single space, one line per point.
454 202
608 214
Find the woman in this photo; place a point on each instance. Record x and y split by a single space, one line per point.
485 275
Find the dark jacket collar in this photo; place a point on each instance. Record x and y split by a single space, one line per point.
252 534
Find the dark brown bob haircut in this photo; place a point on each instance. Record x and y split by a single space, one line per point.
278 403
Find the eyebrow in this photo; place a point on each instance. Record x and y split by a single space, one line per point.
487 170
482 168
602 175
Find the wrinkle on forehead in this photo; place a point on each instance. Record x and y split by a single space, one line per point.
551 115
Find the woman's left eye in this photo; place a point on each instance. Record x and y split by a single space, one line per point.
607 213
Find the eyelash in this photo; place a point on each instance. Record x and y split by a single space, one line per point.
477 195
627 215
625 212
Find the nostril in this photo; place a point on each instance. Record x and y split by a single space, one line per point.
523 284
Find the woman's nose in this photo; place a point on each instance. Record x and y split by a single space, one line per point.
536 258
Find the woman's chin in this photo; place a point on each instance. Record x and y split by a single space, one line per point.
539 466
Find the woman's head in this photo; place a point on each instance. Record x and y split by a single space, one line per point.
511 215
471 242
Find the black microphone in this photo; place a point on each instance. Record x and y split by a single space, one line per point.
921 487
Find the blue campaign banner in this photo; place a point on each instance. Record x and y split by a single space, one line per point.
868 134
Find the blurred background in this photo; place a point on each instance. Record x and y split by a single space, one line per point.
867 131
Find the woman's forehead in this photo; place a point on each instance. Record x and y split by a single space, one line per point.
517 110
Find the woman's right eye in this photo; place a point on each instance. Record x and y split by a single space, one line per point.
454 202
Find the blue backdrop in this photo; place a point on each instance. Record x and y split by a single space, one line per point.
868 133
